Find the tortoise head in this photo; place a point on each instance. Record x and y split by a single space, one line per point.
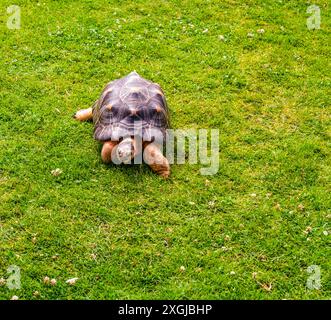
126 150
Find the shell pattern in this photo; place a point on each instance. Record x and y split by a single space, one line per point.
130 106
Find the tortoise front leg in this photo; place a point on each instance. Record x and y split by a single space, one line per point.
107 150
156 160
84 114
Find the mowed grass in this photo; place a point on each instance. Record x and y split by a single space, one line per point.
248 232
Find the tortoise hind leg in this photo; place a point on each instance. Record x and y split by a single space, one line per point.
156 160
84 114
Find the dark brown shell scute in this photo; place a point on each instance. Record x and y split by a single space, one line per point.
129 104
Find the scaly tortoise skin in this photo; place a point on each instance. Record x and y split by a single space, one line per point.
126 101
127 109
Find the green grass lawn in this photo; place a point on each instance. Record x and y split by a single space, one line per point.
248 232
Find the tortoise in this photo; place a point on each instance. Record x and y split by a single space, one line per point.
130 118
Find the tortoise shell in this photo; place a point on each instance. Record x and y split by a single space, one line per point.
130 106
